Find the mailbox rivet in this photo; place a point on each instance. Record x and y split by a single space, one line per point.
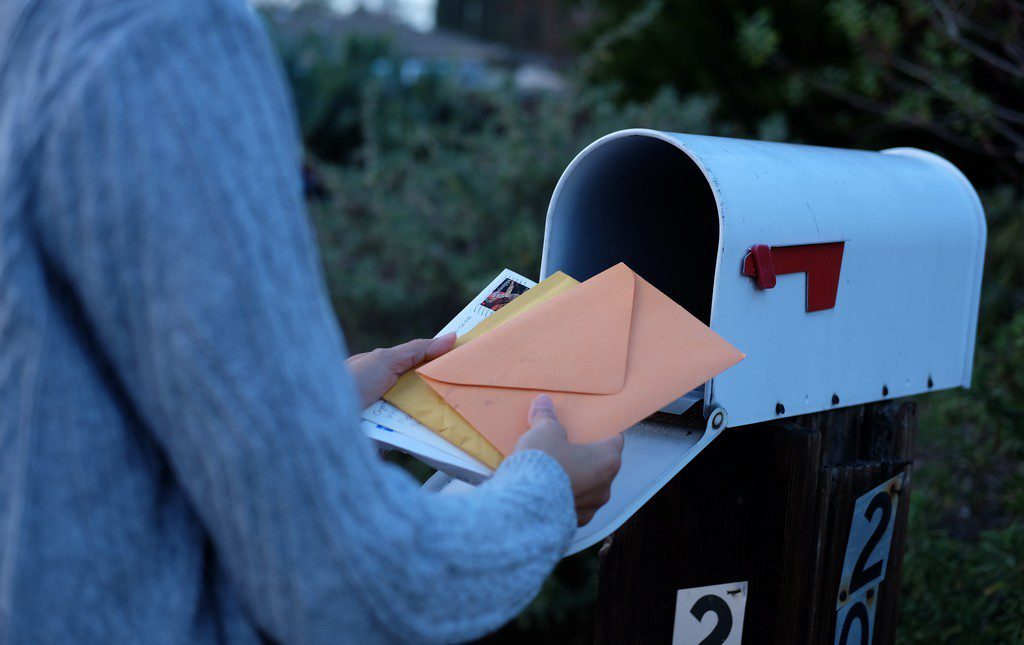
930 383
835 399
780 409
842 595
717 420
871 594
885 390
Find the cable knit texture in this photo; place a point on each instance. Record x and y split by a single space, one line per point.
180 454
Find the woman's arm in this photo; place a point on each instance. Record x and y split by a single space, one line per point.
181 229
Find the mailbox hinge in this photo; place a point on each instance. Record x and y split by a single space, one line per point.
717 420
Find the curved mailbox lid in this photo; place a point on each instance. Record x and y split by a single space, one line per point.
905 313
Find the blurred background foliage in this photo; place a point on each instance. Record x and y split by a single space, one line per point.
422 191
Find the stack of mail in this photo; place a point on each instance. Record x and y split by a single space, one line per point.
609 352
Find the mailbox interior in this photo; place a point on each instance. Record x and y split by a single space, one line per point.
643 201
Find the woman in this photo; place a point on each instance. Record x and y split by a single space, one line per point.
180 454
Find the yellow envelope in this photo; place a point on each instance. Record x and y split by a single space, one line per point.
414 397
609 353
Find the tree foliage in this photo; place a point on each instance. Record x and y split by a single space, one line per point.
945 74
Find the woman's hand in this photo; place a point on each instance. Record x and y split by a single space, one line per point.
591 467
375 372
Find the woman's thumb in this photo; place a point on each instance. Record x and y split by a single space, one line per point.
542 408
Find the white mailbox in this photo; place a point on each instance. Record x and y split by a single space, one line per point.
845 276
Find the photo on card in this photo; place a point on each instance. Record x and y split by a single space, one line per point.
506 292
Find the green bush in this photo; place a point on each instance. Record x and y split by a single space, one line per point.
962 591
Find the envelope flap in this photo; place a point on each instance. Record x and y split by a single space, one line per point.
576 342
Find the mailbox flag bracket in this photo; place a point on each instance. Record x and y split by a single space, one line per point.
821 262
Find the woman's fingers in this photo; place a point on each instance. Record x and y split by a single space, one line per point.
375 372
440 346
591 467
402 358
541 409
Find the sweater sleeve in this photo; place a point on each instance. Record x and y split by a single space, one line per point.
179 228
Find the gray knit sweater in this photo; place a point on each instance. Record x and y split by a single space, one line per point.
180 458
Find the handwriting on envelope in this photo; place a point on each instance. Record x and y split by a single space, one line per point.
609 352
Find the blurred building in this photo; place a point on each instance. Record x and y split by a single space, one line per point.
469 60
405 41
545 27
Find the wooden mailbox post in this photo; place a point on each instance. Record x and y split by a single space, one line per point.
771 505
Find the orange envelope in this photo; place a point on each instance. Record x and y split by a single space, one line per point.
609 352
